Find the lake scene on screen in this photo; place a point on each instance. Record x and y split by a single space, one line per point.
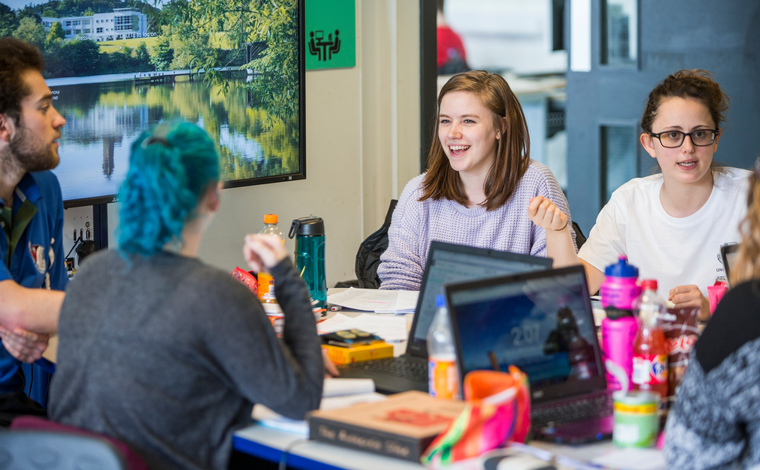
116 67
103 119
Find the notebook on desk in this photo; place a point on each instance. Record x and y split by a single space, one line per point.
542 323
445 263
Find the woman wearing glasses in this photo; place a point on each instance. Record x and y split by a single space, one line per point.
671 225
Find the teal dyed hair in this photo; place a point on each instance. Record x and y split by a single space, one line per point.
171 165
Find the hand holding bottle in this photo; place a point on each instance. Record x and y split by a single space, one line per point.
262 252
690 296
266 281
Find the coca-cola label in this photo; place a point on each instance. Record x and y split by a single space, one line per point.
681 344
681 328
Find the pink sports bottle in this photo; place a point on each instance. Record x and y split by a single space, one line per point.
618 291
617 346
619 288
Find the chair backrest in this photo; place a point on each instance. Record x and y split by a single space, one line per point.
131 459
31 450
580 239
368 256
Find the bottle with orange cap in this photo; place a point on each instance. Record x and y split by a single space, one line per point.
266 282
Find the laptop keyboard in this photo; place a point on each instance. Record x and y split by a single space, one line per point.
398 367
598 406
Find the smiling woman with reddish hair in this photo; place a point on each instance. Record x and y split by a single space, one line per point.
479 184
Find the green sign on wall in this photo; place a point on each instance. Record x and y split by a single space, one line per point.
330 34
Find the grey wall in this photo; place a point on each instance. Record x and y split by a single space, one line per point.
722 37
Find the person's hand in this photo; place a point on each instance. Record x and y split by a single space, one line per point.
262 252
545 214
25 346
330 369
690 296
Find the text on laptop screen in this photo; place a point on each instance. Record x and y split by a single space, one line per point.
542 326
450 264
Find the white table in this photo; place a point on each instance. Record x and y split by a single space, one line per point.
269 444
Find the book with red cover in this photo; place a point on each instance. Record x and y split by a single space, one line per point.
401 426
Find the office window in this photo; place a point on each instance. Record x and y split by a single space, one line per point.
618 157
619 32
558 25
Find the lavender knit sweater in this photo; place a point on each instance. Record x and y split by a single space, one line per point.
416 223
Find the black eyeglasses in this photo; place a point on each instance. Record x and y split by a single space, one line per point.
674 139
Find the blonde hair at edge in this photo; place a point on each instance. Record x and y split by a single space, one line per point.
748 256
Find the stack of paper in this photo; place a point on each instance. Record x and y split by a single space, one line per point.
376 300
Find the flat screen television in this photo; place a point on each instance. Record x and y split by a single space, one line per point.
115 67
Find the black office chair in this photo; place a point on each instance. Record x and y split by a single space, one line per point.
32 450
580 239
368 255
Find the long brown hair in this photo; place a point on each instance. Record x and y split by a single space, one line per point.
512 150
748 257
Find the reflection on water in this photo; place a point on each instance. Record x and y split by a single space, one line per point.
104 119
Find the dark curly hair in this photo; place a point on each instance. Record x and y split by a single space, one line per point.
16 58
697 84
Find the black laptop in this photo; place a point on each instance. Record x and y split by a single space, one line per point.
728 254
542 323
446 263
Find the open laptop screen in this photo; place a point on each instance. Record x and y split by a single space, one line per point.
450 263
729 253
540 322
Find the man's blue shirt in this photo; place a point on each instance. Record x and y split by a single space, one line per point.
37 261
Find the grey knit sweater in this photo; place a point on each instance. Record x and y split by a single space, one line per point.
169 355
416 223
715 420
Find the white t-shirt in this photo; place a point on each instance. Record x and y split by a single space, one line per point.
674 251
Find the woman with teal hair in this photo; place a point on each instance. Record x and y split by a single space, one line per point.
164 352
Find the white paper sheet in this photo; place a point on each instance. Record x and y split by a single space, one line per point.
376 300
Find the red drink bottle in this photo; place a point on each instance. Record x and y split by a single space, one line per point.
650 351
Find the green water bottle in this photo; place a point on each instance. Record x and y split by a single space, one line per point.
310 256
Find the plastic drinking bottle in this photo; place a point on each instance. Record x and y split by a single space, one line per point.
617 346
310 256
266 281
443 374
619 288
650 351
619 328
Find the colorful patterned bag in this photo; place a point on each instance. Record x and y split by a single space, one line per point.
247 278
497 411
